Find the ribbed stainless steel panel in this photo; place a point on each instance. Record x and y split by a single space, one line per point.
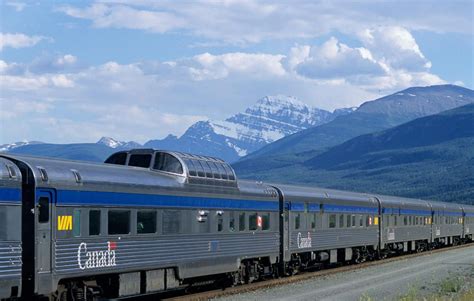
10 259
10 267
406 233
333 239
159 251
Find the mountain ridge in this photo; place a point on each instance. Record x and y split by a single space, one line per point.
371 116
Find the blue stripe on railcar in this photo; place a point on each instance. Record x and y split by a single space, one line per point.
452 213
297 206
469 214
75 197
398 211
10 195
333 208
314 207
349 209
415 212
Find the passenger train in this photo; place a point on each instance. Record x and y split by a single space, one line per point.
148 221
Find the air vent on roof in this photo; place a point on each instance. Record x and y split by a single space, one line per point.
43 173
77 175
11 171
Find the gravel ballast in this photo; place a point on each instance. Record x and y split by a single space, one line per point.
387 281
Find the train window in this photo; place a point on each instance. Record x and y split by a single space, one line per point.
405 220
348 221
222 171
395 220
168 163
265 221
410 222
298 221
3 223
242 221
171 221
215 170
11 171
361 220
94 222
332 221
118 158
146 222
231 221
353 218
207 169
76 222
341 221
230 173
43 208
119 222
140 160
253 221
220 223
313 220
191 168
199 168
368 220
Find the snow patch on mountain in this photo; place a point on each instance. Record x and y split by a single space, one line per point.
269 119
113 143
9 147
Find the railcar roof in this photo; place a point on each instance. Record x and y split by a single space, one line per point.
446 206
292 191
10 175
394 201
65 173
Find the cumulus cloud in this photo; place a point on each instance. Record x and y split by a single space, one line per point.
151 99
395 46
208 66
19 40
243 22
334 60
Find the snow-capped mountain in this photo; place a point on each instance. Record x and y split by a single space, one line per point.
9 147
271 118
112 143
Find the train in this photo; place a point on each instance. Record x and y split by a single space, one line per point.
147 221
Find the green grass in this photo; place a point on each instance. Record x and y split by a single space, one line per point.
451 285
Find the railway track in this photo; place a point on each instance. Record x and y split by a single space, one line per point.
215 293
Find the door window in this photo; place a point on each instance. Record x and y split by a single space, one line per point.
43 208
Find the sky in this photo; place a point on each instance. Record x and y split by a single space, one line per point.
140 70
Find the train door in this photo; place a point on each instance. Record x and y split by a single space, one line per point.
378 222
45 199
287 231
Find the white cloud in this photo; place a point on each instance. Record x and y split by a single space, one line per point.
67 59
395 46
335 60
120 16
151 99
208 66
18 40
243 22
18 6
